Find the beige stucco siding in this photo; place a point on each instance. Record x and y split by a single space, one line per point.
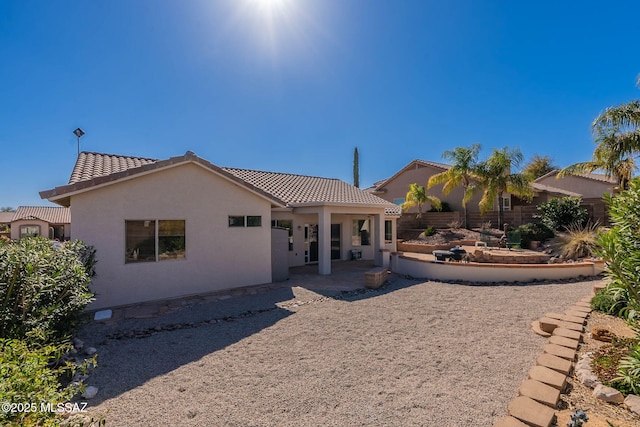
398 187
589 188
217 256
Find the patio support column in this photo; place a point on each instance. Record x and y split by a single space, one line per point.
324 241
378 236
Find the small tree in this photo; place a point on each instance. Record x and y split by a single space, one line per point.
417 196
559 214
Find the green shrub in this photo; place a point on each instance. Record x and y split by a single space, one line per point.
609 300
28 378
531 231
444 207
429 231
43 288
620 246
629 372
558 214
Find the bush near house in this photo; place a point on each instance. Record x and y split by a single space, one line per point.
558 214
620 248
534 231
43 289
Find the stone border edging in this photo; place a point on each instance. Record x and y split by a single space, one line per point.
540 393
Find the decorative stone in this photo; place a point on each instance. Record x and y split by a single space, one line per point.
554 362
560 351
568 333
564 342
90 351
633 403
540 392
602 334
509 422
535 327
587 377
531 412
548 376
608 394
102 315
90 392
78 343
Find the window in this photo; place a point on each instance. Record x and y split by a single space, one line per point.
236 221
287 224
506 203
245 221
29 231
388 231
398 201
360 233
254 221
154 240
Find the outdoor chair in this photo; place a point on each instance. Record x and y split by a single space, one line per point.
514 240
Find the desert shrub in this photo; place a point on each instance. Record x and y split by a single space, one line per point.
620 245
578 241
534 231
558 214
429 231
29 379
43 288
456 224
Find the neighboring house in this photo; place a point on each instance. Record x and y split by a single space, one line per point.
5 224
182 226
394 189
590 187
51 222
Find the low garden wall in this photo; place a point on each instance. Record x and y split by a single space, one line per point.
490 273
428 249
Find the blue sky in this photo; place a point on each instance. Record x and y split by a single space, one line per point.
294 85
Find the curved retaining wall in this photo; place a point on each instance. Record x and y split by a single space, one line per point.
477 272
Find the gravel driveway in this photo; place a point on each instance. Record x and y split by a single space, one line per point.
411 354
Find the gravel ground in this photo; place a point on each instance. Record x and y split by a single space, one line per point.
410 354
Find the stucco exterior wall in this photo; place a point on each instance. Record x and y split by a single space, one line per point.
589 188
15 227
399 186
217 256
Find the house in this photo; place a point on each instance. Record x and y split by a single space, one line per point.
590 187
48 221
184 226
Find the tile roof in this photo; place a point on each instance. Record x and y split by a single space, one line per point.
300 189
6 217
285 189
379 185
549 189
594 176
91 165
50 214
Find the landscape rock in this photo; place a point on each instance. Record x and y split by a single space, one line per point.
587 377
78 343
633 403
90 351
608 394
602 334
90 392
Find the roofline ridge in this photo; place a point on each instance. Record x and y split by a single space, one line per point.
118 155
280 173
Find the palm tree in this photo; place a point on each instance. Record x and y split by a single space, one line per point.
7 209
617 133
417 196
539 166
496 178
464 162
